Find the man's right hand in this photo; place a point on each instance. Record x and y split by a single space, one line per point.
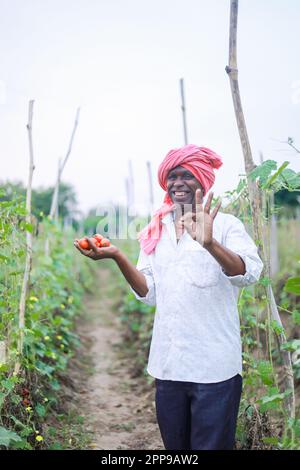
96 253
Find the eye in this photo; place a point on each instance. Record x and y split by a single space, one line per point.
188 176
171 177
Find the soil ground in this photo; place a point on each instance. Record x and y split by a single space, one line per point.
118 408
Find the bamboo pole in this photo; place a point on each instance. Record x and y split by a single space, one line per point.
183 109
28 261
55 197
54 203
255 200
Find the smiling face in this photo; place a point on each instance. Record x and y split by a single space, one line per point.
182 185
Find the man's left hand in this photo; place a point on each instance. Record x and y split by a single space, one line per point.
199 224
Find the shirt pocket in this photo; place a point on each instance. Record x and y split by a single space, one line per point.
200 268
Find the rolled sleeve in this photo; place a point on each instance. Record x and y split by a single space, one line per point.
144 266
238 241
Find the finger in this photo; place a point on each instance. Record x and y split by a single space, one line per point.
198 196
208 203
187 218
198 201
92 245
216 208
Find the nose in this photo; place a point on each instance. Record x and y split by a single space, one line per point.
178 182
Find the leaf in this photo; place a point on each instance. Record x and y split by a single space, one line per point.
265 371
4 258
265 281
23 444
270 440
291 178
292 285
292 345
270 401
276 174
29 227
6 437
296 317
272 398
241 185
41 410
16 273
276 327
263 171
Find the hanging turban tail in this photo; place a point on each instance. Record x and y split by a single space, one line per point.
201 162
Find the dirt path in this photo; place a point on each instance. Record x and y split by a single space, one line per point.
119 410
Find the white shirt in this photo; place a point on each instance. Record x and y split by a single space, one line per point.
196 331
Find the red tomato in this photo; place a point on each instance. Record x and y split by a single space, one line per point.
96 241
84 244
105 242
98 236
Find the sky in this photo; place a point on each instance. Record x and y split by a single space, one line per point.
121 62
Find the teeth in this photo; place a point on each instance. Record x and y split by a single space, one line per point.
181 193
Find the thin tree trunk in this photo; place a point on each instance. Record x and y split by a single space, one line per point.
254 196
28 261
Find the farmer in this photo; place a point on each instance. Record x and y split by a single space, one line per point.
192 262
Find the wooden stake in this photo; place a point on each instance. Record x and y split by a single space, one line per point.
28 261
54 203
255 200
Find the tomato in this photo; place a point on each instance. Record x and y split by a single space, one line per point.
105 242
97 242
84 244
98 236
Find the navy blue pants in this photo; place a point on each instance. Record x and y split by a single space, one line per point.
195 416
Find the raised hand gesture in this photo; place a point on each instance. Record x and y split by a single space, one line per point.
199 224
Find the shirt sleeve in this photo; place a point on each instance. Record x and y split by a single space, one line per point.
238 241
144 266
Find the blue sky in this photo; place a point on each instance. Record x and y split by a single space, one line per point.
121 61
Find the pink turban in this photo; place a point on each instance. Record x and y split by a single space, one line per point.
200 161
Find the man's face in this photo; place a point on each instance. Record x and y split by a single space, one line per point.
182 185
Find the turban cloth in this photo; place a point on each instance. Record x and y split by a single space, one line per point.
201 162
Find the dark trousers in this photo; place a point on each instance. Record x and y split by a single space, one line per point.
196 416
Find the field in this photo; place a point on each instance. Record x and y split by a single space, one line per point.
86 343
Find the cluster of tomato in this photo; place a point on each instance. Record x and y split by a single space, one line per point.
26 399
98 240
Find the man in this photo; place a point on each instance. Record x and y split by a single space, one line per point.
192 262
